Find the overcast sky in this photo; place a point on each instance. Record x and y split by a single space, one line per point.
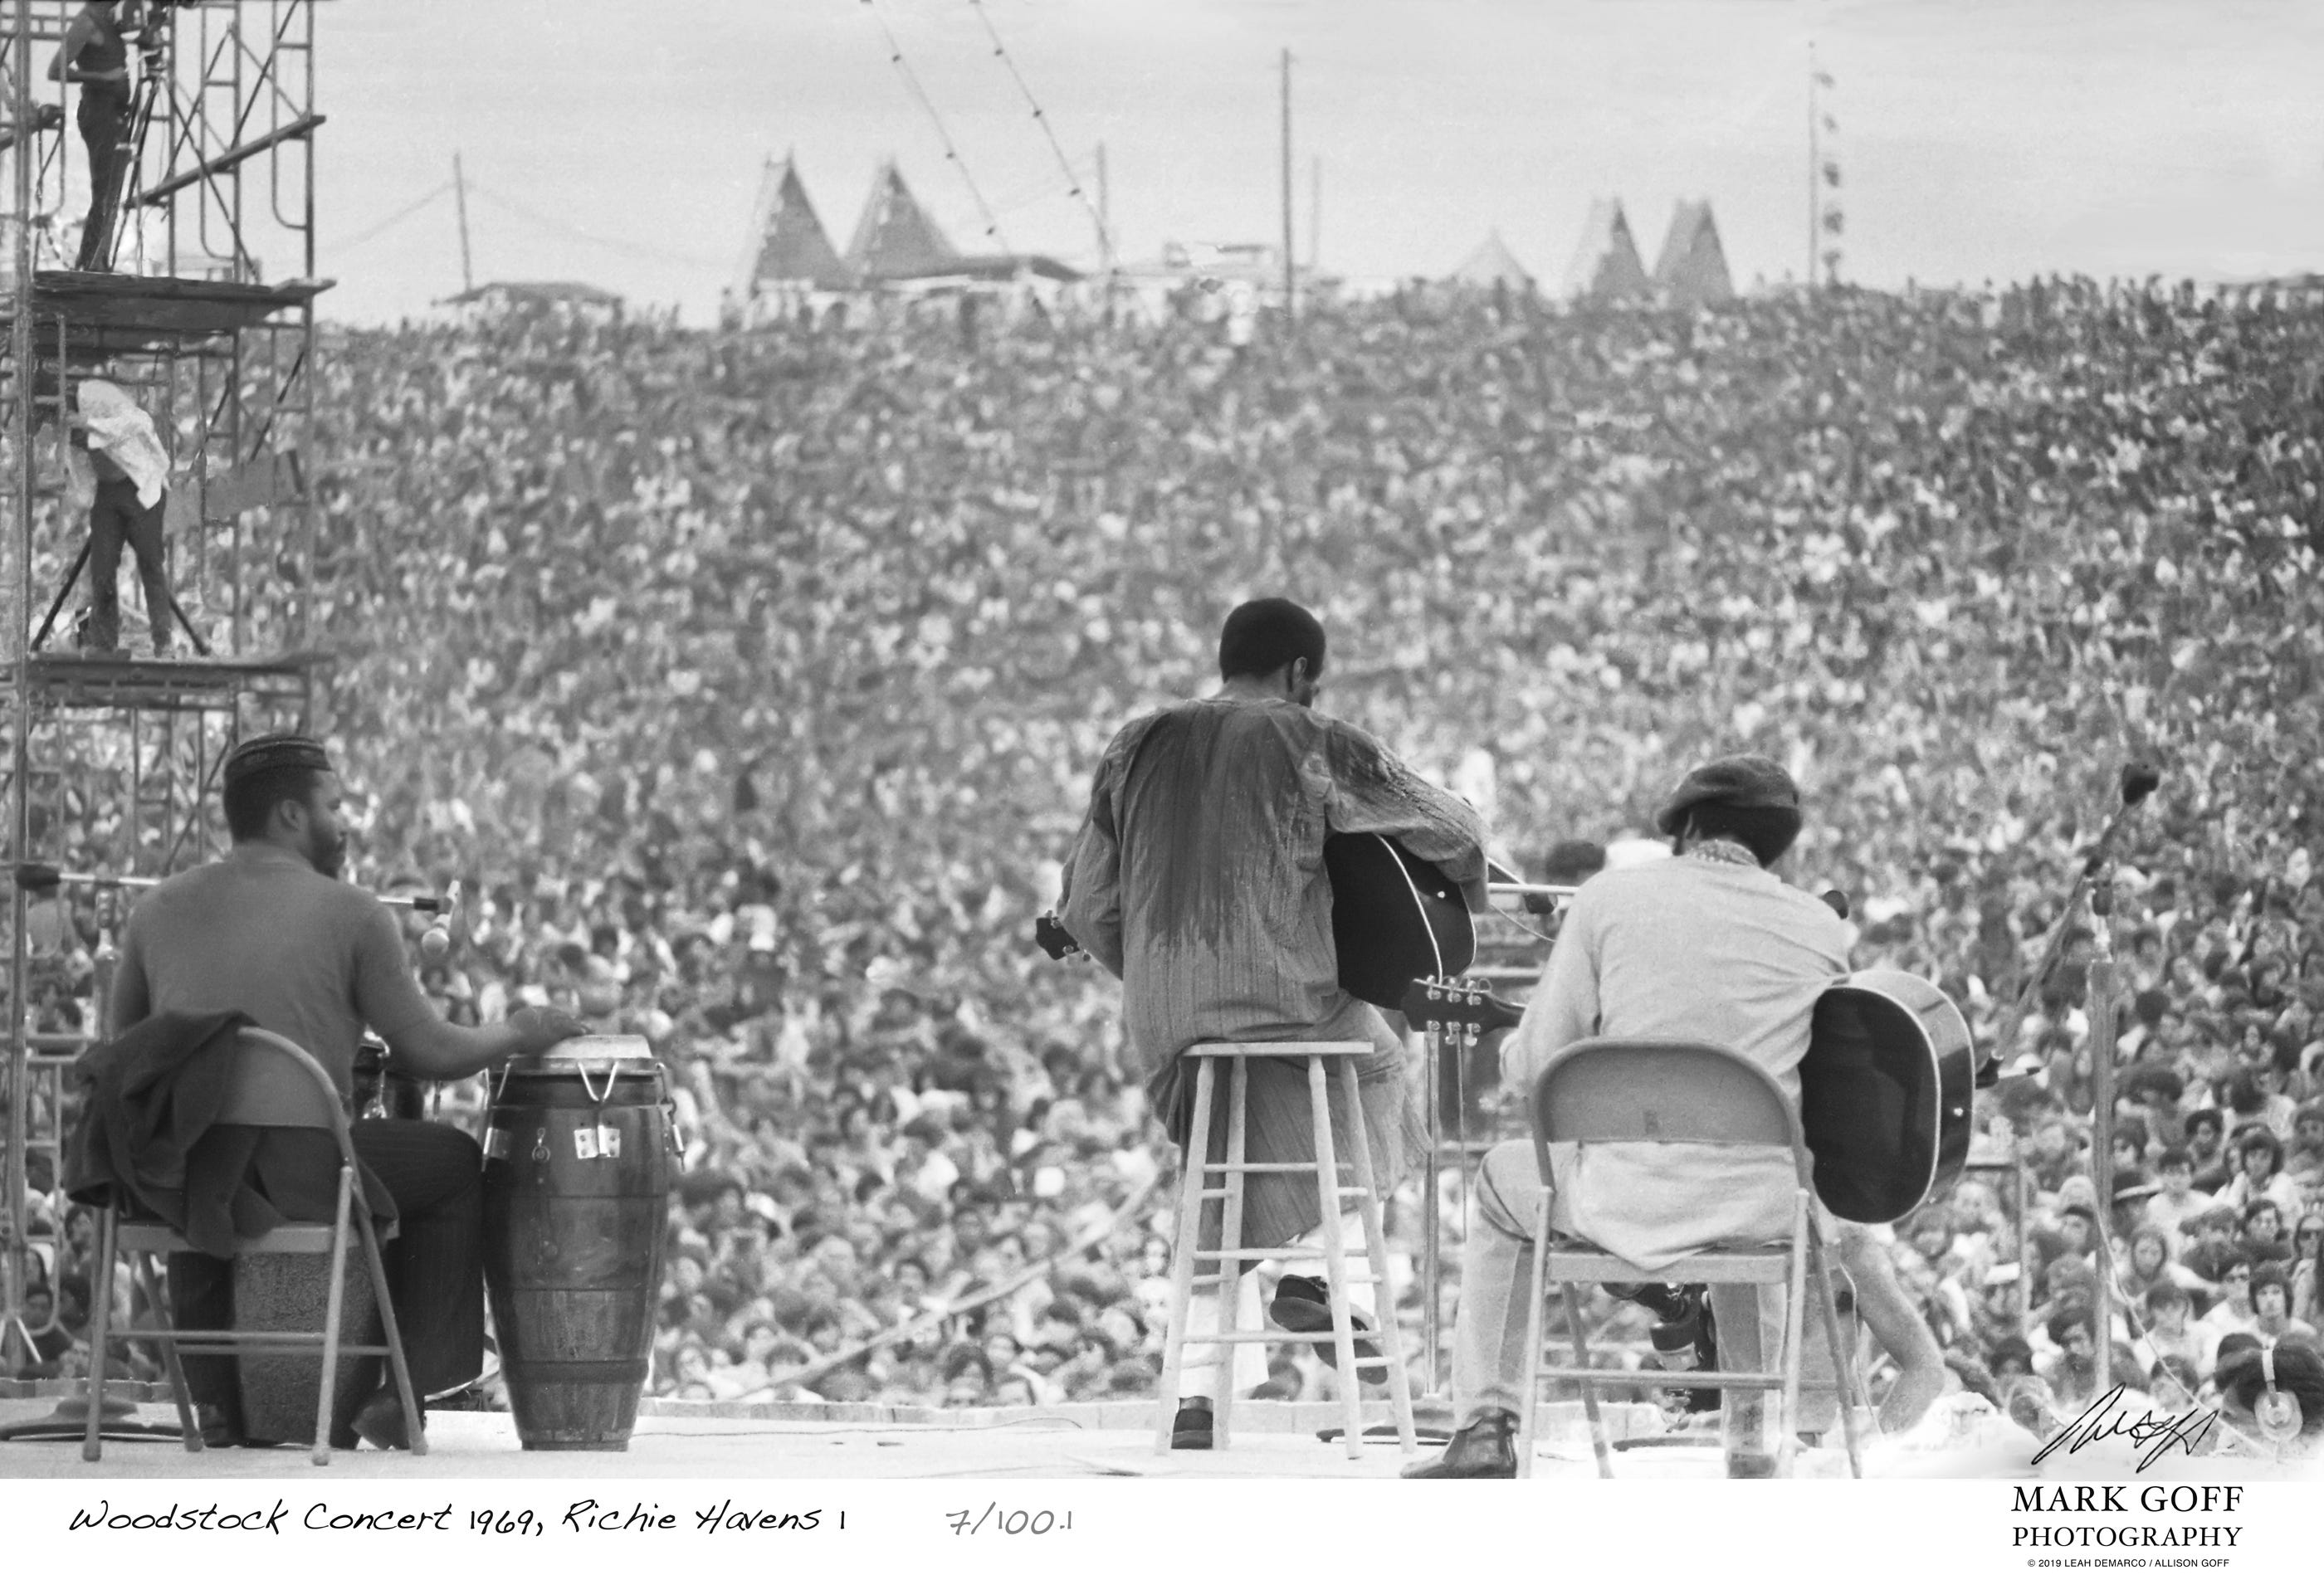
620 143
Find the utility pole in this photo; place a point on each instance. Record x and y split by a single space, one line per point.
460 198
1289 309
1815 164
1316 215
1105 228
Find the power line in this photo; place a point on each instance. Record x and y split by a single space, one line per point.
912 82
1041 119
612 243
398 218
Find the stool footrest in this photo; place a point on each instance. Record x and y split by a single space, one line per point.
1308 1168
1275 1050
1664 1379
1285 1335
1286 1254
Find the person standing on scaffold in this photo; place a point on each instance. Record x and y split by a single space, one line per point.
132 497
96 55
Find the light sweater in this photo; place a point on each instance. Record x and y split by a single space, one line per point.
1695 951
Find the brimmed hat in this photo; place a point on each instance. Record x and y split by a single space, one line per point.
1747 781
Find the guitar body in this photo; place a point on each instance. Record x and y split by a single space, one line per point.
1885 1092
1395 918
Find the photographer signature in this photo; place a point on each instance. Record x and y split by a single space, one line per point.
2158 1432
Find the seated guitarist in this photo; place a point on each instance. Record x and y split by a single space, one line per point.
1709 947
1198 879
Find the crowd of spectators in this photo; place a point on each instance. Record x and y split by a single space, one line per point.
750 681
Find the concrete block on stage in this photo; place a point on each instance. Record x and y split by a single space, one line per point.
291 1293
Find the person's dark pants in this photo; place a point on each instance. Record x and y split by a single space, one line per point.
115 519
104 120
434 1263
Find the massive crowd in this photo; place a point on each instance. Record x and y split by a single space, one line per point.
750 681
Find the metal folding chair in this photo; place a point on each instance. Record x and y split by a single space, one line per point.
278 1085
1606 1089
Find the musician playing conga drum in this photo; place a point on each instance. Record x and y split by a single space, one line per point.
1198 879
270 930
1709 947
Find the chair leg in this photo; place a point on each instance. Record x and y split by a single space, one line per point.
1230 1271
397 1365
334 1303
1196 1164
1384 1290
100 1320
141 1268
1537 1292
1843 1362
1335 1256
1787 1428
1599 1443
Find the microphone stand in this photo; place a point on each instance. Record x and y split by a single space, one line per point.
1436 1041
2101 1049
2138 782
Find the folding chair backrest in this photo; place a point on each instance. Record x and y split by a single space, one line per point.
1612 1090
278 1084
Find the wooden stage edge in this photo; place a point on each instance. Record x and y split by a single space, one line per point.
1273 1441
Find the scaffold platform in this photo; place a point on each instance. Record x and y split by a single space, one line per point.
104 315
78 680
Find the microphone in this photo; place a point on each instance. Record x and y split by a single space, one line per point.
2139 780
436 943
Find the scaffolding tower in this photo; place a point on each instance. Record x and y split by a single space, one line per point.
165 244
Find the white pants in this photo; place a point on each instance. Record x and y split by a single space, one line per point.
1202 1363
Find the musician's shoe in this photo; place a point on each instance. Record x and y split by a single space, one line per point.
379 1420
1484 1450
1304 1305
1675 1304
220 1427
1191 1426
2033 1407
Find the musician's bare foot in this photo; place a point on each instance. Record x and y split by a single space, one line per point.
1916 1389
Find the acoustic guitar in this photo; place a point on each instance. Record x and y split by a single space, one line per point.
1885 1089
1395 918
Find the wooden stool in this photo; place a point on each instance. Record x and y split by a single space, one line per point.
1226 1261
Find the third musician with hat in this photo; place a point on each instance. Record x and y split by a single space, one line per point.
1709 947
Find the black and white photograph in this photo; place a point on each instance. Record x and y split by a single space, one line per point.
1031 783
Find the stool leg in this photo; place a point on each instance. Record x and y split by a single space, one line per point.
1384 1290
1335 1258
1195 1165
1230 1271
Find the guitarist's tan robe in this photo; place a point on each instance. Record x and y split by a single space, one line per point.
1198 879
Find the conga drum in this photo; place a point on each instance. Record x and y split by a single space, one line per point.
576 1195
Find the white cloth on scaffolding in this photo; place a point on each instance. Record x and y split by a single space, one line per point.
119 427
